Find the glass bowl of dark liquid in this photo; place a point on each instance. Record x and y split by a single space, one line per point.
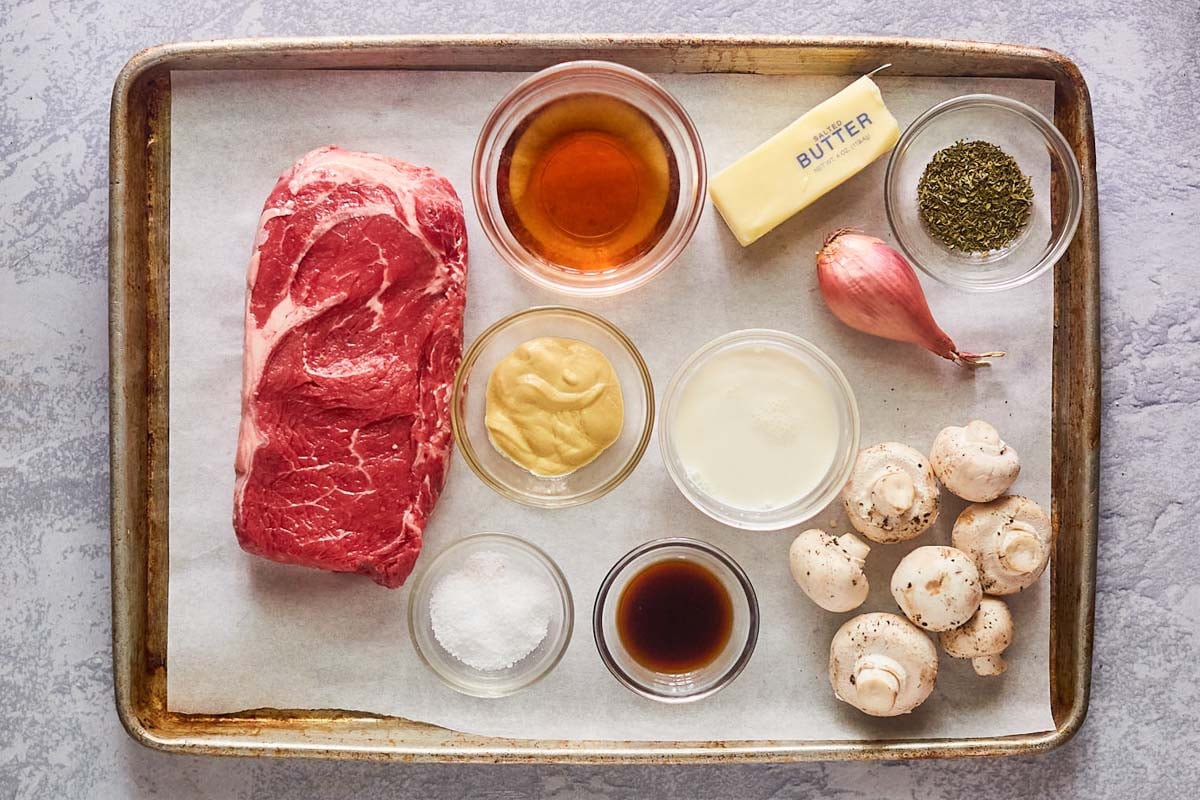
676 620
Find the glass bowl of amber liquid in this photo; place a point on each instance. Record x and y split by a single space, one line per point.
589 178
1039 150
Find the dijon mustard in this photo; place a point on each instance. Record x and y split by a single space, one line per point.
553 405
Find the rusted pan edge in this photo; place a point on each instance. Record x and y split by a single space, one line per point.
138 264
1076 420
668 53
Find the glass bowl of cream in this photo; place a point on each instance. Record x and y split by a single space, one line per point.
759 429
534 403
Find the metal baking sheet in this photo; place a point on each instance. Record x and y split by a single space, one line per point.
341 733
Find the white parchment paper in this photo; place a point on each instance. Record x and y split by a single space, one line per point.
246 633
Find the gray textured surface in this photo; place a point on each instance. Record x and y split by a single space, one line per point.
59 736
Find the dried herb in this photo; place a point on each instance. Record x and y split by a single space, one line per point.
974 197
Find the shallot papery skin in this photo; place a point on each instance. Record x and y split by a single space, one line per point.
872 288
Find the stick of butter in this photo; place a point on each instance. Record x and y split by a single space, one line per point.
813 155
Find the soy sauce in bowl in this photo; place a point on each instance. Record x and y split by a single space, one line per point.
588 182
675 620
675 616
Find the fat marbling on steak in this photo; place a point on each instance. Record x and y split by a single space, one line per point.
354 309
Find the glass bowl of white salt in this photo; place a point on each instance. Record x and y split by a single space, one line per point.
491 615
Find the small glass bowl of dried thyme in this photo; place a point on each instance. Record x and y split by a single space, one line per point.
983 193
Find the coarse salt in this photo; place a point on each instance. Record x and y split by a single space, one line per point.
489 613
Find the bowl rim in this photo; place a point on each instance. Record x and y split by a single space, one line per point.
601 603
1054 139
462 439
421 585
744 337
549 277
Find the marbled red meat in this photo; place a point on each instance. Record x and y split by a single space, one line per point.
354 309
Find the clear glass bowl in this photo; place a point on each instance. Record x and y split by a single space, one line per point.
840 467
530 669
635 88
1042 153
684 686
589 481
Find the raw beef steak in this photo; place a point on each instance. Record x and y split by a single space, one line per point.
354 311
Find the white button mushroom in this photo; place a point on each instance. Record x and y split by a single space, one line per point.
882 664
985 636
1009 540
974 462
829 570
892 495
937 587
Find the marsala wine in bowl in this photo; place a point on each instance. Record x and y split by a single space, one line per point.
588 182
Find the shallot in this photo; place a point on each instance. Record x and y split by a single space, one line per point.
872 288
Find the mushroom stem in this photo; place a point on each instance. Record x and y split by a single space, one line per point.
985 636
894 493
882 664
1009 539
878 680
989 665
974 462
854 546
829 570
1020 549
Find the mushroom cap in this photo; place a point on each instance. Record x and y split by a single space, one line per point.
882 664
937 587
974 462
988 633
830 570
1009 539
892 495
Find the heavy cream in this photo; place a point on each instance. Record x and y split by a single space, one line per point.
755 427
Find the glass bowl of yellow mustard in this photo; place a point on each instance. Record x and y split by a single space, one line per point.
552 407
